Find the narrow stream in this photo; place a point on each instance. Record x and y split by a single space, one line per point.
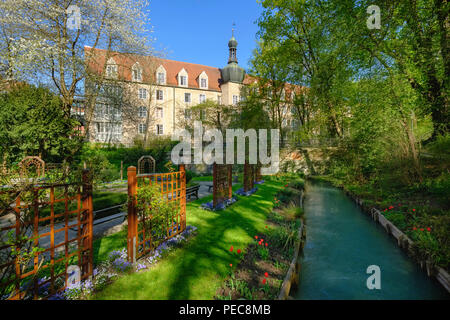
341 242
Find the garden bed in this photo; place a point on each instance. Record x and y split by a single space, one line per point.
265 269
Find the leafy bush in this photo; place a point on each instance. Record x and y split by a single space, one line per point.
189 176
284 236
159 212
297 184
102 170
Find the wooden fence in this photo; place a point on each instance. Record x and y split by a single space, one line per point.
58 219
222 183
173 189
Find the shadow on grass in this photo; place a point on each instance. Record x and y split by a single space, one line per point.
198 269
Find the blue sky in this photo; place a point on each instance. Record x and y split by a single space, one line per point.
198 31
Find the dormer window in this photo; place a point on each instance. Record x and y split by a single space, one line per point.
203 80
136 72
183 81
183 78
111 69
161 75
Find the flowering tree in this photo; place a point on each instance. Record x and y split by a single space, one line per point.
44 41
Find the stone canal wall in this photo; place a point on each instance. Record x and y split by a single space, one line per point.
403 241
292 275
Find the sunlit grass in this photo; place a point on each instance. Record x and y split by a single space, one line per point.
198 269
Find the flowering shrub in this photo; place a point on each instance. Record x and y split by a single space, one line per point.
159 212
122 265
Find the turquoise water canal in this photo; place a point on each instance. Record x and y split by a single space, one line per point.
342 242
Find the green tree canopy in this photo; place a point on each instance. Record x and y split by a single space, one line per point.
32 122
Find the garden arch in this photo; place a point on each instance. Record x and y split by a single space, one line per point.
146 164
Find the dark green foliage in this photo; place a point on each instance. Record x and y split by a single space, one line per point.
32 122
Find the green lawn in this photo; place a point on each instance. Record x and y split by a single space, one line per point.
198 269
202 178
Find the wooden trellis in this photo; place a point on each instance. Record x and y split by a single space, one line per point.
58 218
222 183
258 176
173 189
28 163
249 176
146 164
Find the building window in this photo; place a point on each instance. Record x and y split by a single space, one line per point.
142 128
159 113
159 95
142 93
109 131
111 71
161 78
187 97
187 113
107 112
159 129
142 112
112 91
203 83
136 73
235 99
202 114
183 81
202 98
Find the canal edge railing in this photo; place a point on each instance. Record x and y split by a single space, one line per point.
292 275
403 241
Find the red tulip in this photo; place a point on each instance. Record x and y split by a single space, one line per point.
256 237
231 249
239 251
414 210
266 244
428 229
421 229
266 274
264 281
231 264
414 228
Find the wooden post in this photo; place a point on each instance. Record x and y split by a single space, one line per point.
89 231
121 170
246 177
132 214
183 196
230 181
214 185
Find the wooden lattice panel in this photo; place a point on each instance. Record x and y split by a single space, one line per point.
59 220
249 177
222 183
146 164
173 189
32 167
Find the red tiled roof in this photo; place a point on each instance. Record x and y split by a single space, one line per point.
149 66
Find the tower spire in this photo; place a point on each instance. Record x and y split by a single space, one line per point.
232 45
